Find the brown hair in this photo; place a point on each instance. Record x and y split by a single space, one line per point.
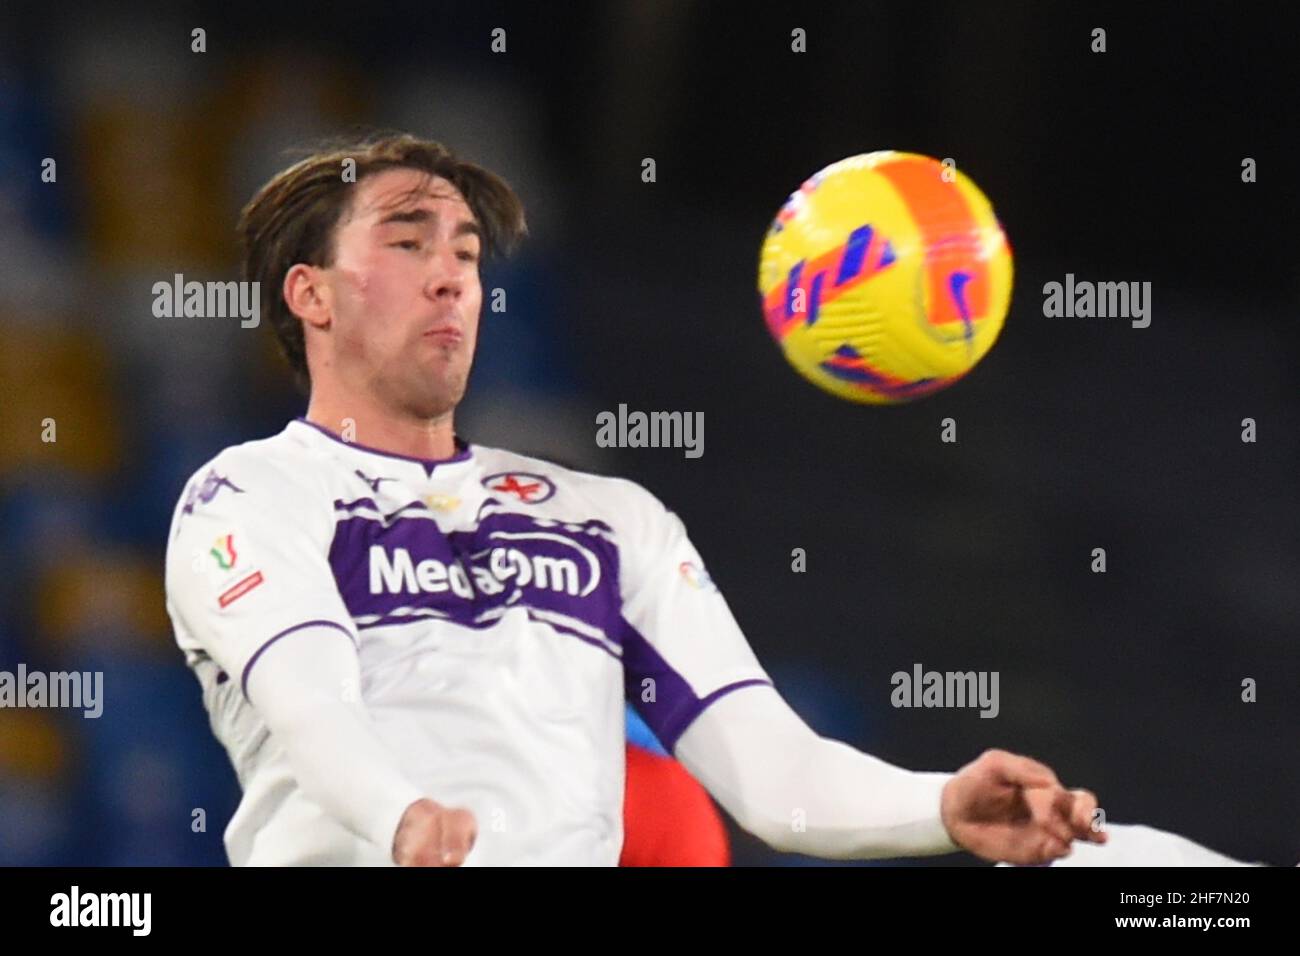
292 217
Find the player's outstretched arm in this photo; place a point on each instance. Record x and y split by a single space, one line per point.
802 793
305 687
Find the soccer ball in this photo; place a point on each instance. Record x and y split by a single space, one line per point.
885 277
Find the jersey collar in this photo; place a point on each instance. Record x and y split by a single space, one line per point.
464 450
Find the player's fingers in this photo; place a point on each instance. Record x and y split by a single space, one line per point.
1049 812
1023 771
1063 804
1075 814
1039 849
1083 804
458 836
1054 849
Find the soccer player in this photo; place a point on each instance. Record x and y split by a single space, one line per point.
416 650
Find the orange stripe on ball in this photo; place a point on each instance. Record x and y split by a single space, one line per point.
950 234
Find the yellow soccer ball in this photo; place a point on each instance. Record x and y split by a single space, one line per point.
885 277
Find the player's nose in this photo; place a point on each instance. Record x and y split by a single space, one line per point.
446 278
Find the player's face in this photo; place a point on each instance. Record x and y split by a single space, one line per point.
405 292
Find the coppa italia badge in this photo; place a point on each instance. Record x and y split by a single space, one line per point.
233 580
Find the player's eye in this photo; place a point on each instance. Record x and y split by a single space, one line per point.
467 255
406 244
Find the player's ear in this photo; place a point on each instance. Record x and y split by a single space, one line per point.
306 295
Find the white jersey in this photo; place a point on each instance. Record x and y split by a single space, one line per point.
502 608
1130 844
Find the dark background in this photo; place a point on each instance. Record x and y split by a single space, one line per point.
1073 433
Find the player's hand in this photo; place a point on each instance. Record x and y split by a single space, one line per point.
1009 808
433 835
